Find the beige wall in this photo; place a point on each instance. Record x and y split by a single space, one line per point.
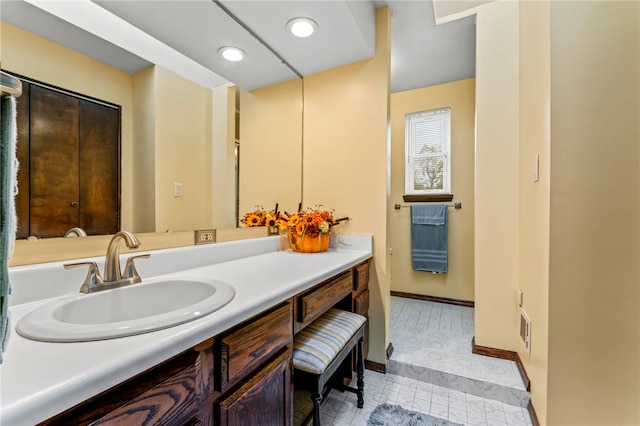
345 160
180 129
144 150
496 208
578 85
29 252
223 157
271 147
458 282
182 152
533 270
594 283
31 56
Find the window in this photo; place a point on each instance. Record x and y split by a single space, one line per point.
427 147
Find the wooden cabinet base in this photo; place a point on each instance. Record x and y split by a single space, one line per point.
241 377
262 401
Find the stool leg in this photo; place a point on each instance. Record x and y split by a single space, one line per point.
316 397
360 373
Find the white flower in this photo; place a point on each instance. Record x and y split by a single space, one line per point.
324 227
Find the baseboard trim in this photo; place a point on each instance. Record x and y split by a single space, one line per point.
532 414
504 354
375 366
457 302
513 356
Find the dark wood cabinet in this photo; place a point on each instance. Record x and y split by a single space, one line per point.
240 377
361 297
69 153
165 394
171 402
250 345
265 400
309 305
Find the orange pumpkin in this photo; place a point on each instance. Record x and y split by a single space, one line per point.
307 244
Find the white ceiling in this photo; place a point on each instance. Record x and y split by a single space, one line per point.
184 36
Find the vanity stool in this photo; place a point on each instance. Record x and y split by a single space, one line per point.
320 348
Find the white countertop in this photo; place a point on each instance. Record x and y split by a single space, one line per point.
39 379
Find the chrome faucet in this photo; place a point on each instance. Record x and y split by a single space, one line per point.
112 274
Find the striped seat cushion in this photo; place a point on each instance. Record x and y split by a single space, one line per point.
318 344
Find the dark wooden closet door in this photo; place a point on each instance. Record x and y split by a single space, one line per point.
99 168
22 153
54 162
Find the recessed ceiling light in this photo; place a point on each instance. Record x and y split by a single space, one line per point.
232 54
302 27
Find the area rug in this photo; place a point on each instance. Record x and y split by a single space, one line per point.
395 415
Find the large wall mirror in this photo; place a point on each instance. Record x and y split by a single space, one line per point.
194 153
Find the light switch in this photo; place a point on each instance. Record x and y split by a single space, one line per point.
177 190
536 167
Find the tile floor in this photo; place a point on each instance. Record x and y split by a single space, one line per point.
436 337
432 342
340 409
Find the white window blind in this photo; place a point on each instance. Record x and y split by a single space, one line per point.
427 147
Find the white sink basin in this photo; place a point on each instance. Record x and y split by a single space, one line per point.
135 309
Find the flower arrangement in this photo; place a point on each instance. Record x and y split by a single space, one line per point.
310 222
260 217
309 229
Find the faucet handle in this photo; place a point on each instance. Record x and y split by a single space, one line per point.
130 271
93 278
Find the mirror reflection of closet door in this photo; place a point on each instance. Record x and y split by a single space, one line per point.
54 165
73 165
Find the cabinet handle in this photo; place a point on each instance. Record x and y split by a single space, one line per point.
73 204
93 278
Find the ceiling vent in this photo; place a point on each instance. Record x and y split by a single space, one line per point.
524 327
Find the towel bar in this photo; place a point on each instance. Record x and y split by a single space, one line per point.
457 206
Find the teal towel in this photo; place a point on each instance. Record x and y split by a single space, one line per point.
8 188
429 234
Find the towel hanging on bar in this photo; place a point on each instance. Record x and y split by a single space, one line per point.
429 235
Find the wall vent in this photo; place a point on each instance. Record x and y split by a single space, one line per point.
524 326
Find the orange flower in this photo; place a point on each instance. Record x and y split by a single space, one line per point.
311 222
293 221
271 219
255 218
300 228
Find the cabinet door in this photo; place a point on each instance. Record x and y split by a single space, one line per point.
22 154
54 123
99 197
265 400
69 174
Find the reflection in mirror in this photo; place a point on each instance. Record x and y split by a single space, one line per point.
270 125
69 159
174 131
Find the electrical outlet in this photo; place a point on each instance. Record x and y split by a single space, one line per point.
205 236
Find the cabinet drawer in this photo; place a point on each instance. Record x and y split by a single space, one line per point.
317 301
250 345
361 278
361 303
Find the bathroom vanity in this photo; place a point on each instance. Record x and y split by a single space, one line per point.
231 367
